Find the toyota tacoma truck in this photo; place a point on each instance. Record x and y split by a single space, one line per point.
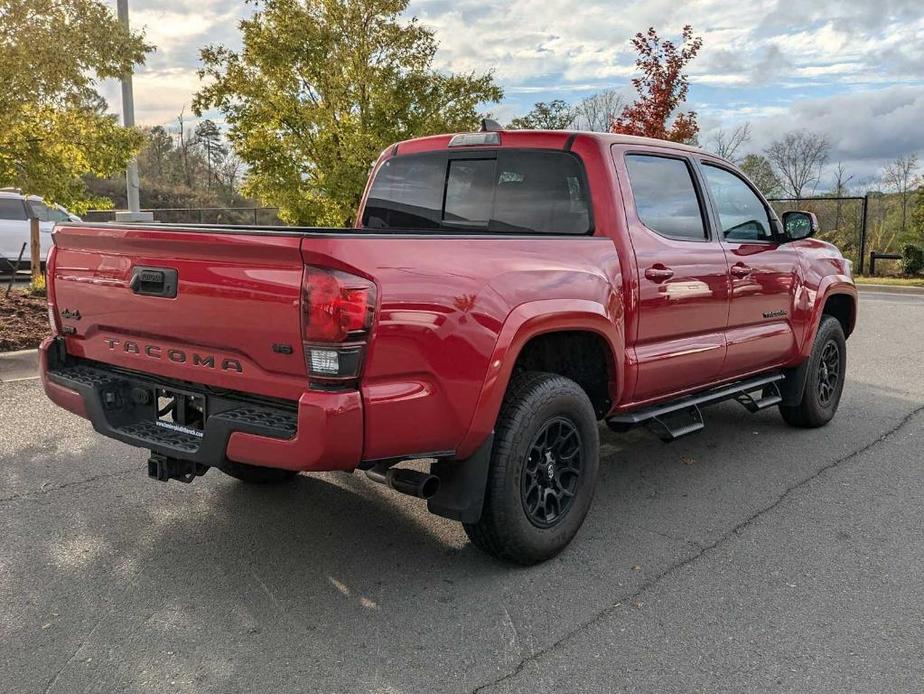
501 294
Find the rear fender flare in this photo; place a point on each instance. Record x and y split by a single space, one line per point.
525 322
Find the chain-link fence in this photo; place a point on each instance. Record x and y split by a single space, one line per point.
843 220
258 216
859 226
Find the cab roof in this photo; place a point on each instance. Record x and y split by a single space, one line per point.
543 138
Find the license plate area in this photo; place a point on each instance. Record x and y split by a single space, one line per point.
180 411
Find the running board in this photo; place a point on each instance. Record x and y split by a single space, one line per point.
670 421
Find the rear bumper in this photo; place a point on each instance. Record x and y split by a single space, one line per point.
322 431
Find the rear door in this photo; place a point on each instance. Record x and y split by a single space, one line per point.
763 273
682 274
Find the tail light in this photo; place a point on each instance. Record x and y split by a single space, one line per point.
337 312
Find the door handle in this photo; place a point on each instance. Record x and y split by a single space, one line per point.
659 273
740 270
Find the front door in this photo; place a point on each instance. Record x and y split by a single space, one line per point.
764 275
682 275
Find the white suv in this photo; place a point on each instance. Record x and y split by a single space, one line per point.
15 211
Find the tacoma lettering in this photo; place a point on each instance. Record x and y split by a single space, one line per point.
178 356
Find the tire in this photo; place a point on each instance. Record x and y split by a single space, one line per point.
823 387
546 444
254 474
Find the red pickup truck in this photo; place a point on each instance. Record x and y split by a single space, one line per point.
501 293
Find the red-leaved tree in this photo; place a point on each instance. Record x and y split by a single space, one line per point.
662 88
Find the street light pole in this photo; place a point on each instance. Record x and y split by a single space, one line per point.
132 184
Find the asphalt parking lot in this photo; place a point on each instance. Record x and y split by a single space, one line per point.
751 557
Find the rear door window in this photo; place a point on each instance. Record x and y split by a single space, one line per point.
665 196
513 191
13 209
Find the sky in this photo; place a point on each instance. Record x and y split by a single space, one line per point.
851 69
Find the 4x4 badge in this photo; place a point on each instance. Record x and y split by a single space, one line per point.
70 315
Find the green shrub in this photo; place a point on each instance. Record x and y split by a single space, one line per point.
912 259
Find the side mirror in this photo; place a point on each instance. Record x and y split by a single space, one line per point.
799 225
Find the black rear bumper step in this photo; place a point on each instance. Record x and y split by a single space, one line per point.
680 417
108 397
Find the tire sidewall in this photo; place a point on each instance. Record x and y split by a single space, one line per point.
829 330
569 402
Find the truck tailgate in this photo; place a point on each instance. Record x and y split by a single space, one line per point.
233 323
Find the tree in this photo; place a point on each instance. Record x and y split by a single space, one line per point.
186 145
598 111
917 214
208 139
899 176
797 160
320 88
555 115
841 179
757 168
154 159
53 124
726 143
662 88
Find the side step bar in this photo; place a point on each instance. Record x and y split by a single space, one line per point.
680 417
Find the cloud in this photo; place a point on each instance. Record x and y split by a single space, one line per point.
851 68
862 126
866 129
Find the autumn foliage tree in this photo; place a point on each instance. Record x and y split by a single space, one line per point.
662 88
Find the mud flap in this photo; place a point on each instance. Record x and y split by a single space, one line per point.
793 385
462 485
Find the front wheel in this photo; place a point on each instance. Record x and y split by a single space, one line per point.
543 470
824 381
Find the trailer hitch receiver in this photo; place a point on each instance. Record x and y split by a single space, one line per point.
164 469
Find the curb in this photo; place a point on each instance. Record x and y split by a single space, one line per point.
19 366
889 289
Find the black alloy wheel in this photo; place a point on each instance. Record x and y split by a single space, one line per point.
551 473
829 370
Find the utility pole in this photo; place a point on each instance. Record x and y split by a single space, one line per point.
132 184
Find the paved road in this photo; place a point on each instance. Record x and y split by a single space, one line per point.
751 557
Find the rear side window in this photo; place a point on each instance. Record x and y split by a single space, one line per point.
665 197
515 191
11 208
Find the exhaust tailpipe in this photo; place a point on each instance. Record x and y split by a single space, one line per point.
411 482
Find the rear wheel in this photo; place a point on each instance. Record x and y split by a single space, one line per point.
825 378
543 470
254 474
